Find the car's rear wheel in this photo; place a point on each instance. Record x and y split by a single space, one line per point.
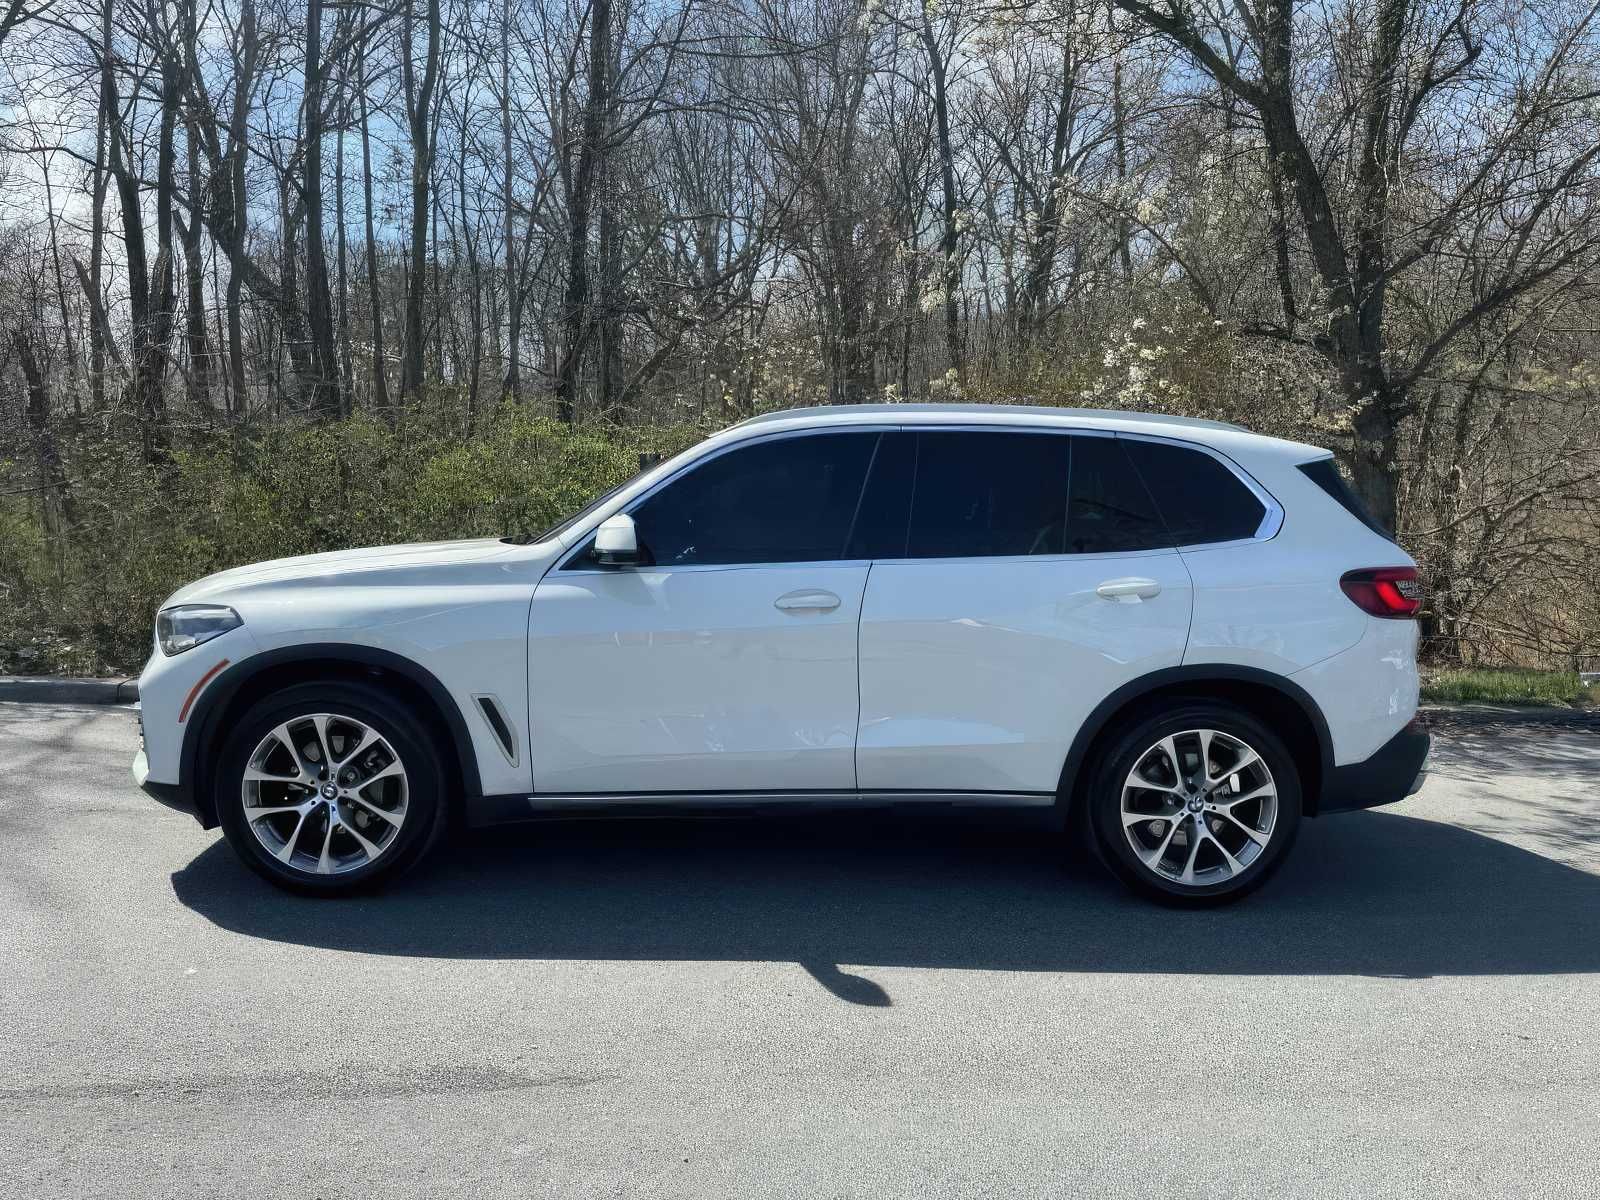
330 788
1195 804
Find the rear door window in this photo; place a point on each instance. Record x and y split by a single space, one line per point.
981 494
975 494
1109 511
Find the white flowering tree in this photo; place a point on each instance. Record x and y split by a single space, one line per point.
1428 154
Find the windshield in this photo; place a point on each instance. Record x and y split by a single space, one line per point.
647 462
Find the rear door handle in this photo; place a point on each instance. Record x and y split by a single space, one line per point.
807 600
1130 590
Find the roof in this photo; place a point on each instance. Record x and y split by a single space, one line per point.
1217 434
945 411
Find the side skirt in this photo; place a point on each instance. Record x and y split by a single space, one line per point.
499 810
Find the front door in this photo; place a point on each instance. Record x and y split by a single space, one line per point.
728 663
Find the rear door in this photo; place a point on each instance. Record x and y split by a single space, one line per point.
1018 578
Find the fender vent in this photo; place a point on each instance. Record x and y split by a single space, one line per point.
499 726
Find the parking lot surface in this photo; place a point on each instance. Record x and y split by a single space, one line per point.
834 1007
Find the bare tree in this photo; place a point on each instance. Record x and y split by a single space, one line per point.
1412 81
418 92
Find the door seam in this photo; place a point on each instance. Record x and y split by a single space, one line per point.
1194 600
855 741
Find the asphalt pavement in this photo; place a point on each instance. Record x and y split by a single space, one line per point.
838 1007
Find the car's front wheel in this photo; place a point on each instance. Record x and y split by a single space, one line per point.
330 788
1195 804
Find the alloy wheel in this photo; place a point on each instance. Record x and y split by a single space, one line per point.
1199 807
325 793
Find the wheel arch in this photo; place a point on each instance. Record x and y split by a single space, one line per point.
242 684
1299 721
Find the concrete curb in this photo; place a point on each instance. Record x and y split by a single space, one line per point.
43 689
1509 714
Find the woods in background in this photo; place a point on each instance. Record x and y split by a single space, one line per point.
407 241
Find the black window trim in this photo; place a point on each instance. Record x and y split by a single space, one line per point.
1271 521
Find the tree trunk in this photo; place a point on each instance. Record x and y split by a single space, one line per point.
235 197
1372 463
97 215
950 234
319 302
1041 258
194 316
513 373
576 317
155 351
144 299
419 113
380 386
608 353
474 278
291 315
57 500
1120 149
347 377
199 381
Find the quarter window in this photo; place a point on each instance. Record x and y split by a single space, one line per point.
1326 476
1201 500
791 499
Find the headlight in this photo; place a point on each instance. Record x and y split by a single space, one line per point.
185 627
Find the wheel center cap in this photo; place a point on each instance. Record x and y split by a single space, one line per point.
1196 803
330 792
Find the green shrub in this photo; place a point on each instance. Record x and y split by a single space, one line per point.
82 601
1503 686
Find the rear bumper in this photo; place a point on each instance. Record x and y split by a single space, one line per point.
1393 772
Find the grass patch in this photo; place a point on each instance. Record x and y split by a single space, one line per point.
1503 686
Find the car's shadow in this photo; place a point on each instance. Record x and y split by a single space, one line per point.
1364 893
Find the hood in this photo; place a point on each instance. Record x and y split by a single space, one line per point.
386 564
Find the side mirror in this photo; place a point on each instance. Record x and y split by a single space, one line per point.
616 542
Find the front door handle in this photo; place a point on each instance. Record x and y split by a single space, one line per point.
807 600
1130 590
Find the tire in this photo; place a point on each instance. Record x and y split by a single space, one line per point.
1143 808
328 789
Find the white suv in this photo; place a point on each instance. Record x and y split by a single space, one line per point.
1179 635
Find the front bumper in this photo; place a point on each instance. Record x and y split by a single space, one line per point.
164 793
1393 772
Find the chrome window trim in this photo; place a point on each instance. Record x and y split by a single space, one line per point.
1271 521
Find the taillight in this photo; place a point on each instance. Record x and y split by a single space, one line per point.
1384 591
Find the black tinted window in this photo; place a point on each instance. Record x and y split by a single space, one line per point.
789 500
880 530
981 494
1201 500
1326 476
1109 510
